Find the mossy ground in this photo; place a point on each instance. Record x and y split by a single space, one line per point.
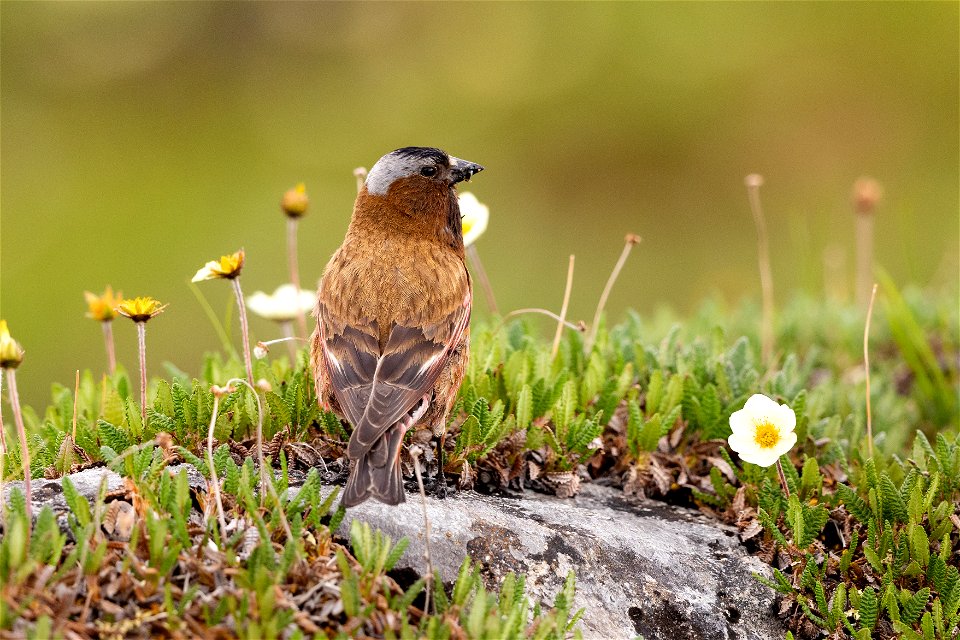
865 545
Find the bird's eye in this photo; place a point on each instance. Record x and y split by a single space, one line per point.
428 171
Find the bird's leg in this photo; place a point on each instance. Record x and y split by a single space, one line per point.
440 482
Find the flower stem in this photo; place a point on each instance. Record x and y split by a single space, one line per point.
214 481
753 182
866 368
294 267
76 399
108 342
142 344
3 455
3 432
783 479
864 257
563 310
629 241
265 476
474 256
24 449
287 328
244 330
415 454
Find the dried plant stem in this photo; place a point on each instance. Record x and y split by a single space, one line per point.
474 257
265 475
286 327
563 310
108 343
292 223
76 398
629 241
415 454
864 258
866 368
214 480
244 330
783 479
580 326
24 449
142 344
753 182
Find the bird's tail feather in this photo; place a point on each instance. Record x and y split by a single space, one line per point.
377 472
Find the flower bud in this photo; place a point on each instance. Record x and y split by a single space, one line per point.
11 353
867 193
295 201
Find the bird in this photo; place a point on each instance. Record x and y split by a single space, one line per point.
391 341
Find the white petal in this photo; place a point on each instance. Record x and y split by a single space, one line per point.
760 405
787 440
741 422
475 217
763 457
740 442
787 419
206 273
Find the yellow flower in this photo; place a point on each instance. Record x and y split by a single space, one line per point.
762 431
228 268
11 353
475 215
295 201
140 309
103 308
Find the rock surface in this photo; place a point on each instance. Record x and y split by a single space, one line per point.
642 567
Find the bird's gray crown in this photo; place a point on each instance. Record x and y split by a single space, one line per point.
401 163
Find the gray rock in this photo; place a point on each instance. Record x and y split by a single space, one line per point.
642 567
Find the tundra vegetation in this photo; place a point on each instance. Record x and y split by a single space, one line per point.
862 531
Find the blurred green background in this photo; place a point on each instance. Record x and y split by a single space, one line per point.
140 140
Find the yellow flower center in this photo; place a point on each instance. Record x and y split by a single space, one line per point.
766 435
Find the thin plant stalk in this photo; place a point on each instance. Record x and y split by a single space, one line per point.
864 258
3 455
286 327
294 266
753 182
580 326
3 433
628 243
415 454
474 257
244 330
142 344
265 478
24 449
563 310
783 479
866 368
214 480
214 320
108 343
76 398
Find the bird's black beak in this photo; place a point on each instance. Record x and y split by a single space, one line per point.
461 170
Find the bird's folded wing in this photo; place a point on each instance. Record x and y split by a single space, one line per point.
376 389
